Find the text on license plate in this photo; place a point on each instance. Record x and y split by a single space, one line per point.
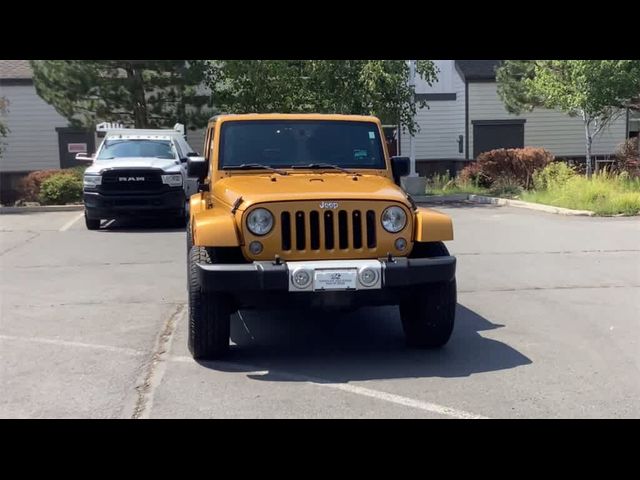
335 279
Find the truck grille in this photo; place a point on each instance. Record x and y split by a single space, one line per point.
132 181
328 230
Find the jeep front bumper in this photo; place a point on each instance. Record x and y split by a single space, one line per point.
267 284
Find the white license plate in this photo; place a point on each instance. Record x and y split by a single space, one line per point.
343 279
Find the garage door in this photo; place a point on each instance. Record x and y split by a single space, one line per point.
493 134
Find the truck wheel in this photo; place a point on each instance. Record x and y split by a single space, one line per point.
428 317
91 223
209 313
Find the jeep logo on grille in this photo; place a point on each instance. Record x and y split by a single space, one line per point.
330 205
131 179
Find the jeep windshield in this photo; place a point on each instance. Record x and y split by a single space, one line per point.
127 148
299 144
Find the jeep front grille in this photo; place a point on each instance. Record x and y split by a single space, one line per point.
351 228
303 230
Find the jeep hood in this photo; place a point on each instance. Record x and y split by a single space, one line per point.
297 187
167 165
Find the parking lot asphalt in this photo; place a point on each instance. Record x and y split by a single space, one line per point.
92 325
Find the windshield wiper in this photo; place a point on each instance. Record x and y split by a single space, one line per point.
248 166
314 166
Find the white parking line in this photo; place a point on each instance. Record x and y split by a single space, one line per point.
345 387
66 343
70 223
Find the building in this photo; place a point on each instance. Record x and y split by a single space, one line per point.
32 141
466 117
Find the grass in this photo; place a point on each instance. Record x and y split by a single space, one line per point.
604 194
443 184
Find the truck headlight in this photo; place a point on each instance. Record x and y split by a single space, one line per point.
91 181
393 219
260 221
172 180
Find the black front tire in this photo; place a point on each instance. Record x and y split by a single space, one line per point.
428 317
209 313
91 223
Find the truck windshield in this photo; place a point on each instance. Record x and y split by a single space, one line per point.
123 148
299 143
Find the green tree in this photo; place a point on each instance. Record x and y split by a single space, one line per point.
141 93
366 87
596 90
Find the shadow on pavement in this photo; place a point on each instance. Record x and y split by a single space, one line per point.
141 225
364 345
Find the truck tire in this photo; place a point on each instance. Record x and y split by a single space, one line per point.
91 223
209 313
429 316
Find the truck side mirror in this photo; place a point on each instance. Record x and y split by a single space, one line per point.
400 167
83 157
197 167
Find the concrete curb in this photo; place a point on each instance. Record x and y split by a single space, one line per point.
463 197
531 206
458 197
43 208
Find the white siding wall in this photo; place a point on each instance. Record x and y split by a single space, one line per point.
443 121
555 131
32 143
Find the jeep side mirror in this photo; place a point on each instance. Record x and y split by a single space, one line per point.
400 167
197 167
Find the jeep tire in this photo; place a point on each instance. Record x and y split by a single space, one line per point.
428 316
91 223
209 313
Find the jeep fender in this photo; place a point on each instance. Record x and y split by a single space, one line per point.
432 226
214 227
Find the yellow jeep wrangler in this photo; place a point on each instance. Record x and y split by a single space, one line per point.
304 210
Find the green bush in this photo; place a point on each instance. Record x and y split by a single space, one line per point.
554 175
61 188
30 186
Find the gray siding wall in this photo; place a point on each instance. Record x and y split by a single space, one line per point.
443 121
32 143
555 131
195 138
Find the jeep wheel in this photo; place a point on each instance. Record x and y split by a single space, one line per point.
91 223
209 313
428 317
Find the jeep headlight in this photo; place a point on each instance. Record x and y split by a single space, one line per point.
260 221
172 180
393 219
91 181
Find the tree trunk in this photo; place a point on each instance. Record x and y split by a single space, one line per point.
589 141
139 101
